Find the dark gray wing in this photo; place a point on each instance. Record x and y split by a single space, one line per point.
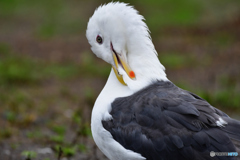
165 122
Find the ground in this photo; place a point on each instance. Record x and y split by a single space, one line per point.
49 78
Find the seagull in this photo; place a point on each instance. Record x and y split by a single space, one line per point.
140 114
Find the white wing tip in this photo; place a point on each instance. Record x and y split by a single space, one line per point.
221 122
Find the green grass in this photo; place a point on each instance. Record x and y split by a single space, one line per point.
5 133
82 148
182 13
36 134
69 151
176 60
60 130
59 139
226 97
165 13
62 71
18 70
29 154
54 18
223 39
58 18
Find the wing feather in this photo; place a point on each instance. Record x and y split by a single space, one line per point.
165 122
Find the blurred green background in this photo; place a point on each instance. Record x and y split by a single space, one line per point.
49 78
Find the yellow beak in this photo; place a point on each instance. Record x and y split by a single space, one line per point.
122 61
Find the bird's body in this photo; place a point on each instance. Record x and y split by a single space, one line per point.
140 114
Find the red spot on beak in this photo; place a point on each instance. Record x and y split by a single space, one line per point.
132 74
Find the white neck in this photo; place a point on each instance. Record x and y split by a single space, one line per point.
143 60
112 90
146 66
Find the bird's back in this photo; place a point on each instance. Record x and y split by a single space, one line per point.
163 121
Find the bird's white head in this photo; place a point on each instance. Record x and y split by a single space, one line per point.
118 35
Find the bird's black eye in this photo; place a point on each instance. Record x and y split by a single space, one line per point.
99 39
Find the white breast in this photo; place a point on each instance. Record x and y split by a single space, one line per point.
102 107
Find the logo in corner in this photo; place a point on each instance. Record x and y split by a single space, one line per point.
212 154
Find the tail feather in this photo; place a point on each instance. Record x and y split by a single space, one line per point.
233 130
